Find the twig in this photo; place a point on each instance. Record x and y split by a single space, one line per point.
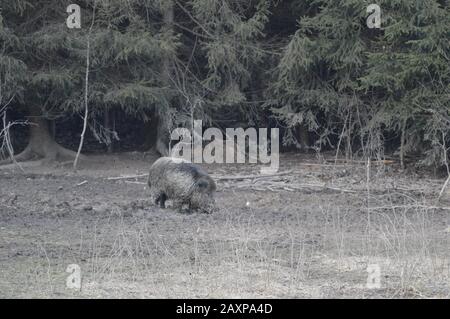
194 20
86 88
82 183
402 145
3 108
341 137
443 188
383 162
7 141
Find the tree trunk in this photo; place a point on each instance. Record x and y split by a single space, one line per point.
303 137
402 145
41 143
162 138
107 119
53 129
162 133
149 133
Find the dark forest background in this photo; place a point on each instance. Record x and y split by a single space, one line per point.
309 67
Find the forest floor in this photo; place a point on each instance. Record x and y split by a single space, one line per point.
312 233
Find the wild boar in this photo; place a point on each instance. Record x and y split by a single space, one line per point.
182 182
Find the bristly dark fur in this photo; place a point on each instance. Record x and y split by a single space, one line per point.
183 183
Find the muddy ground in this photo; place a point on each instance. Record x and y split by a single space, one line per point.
311 233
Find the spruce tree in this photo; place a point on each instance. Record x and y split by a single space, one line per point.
407 77
126 53
355 86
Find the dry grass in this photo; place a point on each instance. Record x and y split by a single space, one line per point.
282 245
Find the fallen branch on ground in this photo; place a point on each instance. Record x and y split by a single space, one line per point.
409 207
126 177
133 182
279 186
23 164
360 162
241 177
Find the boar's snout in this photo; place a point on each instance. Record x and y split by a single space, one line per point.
210 207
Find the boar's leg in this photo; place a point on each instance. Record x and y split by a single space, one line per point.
158 198
192 207
178 206
161 200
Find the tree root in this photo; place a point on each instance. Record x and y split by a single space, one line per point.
42 156
27 164
21 157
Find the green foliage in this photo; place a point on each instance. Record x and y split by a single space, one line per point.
231 42
222 60
12 69
340 78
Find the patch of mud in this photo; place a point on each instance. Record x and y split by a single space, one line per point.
280 237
